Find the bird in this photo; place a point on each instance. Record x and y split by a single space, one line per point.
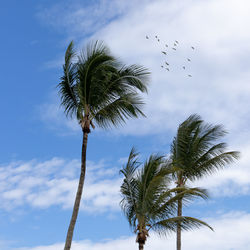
192 47
167 69
162 66
190 75
147 37
184 67
174 48
167 63
158 40
156 37
166 45
188 59
163 52
176 42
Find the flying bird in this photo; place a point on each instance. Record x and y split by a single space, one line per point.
147 37
167 63
188 59
158 40
167 69
192 47
163 52
162 66
156 37
190 75
174 48
176 42
166 45
184 67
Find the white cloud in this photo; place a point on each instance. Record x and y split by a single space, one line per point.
72 17
54 182
217 90
218 30
231 233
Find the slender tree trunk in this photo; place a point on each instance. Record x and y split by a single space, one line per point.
141 246
78 194
178 232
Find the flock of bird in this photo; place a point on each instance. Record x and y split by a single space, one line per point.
173 47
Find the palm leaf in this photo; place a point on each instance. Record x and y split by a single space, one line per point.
185 222
116 111
67 87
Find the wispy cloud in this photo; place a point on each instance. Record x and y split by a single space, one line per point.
51 113
54 182
73 17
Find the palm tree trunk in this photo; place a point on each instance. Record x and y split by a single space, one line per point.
78 194
178 232
141 246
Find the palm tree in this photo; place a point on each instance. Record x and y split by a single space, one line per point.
149 203
196 152
97 89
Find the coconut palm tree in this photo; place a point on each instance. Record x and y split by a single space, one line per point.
149 203
197 151
97 90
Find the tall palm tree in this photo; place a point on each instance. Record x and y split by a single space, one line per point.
197 151
149 203
97 89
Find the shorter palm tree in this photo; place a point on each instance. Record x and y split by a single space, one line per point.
149 203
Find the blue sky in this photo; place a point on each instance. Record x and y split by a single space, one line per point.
40 148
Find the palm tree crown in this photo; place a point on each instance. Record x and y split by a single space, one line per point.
95 87
149 203
196 152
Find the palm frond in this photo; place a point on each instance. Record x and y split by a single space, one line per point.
117 111
134 76
185 222
215 163
129 188
92 69
67 86
168 201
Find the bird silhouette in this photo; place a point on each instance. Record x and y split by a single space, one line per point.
192 47
166 45
188 59
184 67
158 40
163 52
190 75
167 69
167 63
174 48
147 37
162 66
156 37
176 42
